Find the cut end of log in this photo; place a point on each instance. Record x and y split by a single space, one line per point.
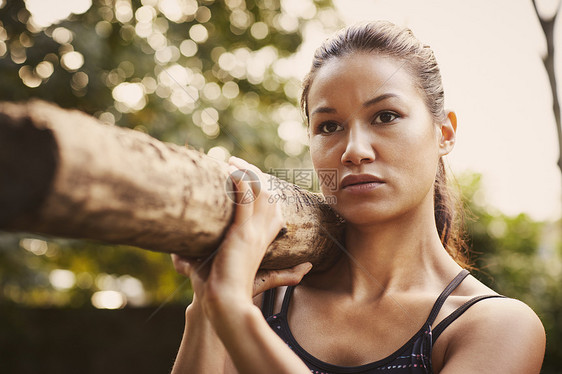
28 159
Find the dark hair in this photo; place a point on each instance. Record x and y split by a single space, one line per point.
387 39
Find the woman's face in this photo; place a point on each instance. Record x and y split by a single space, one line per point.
369 121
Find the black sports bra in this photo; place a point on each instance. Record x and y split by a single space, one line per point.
413 357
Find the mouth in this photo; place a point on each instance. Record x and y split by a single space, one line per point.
360 179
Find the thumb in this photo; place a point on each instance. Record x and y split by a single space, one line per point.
267 279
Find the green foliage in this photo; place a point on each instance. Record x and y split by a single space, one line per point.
204 76
31 276
208 74
519 258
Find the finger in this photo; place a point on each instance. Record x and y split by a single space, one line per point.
268 183
244 193
254 175
270 210
264 196
181 264
267 279
243 179
243 164
190 267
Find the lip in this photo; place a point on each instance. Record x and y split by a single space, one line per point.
357 180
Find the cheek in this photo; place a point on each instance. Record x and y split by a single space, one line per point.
321 152
326 163
417 155
420 138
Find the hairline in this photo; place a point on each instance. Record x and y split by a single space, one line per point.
407 65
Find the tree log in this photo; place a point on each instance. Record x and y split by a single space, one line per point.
64 173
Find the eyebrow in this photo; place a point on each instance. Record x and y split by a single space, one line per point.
377 99
366 104
323 109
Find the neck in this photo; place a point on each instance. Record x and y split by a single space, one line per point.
393 256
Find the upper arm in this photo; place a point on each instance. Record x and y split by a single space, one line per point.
496 336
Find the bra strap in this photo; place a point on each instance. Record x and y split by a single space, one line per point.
268 303
446 292
286 299
434 311
458 312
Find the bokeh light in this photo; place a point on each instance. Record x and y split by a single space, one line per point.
44 69
79 81
17 53
35 246
211 91
198 33
230 90
130 95
177 11
62 279
123 11
145 13
219 153
62 35
133 290
47 12
72 61
103 29
108 300
188 48
259 30
28 77
203 14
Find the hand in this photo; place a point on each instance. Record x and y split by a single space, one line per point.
264 280
232 275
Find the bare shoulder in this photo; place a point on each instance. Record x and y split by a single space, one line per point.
496 335
503 317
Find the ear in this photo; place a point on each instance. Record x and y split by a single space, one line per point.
448 133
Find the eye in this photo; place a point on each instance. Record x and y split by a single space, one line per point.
385 117
329 127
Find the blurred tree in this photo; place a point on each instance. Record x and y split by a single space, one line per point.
206 73
214 75
547 291
547 25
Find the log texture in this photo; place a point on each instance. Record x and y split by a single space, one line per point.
64 173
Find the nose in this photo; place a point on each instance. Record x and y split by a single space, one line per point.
358 148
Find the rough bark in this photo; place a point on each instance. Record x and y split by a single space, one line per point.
63 173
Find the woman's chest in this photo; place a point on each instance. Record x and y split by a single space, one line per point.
352 335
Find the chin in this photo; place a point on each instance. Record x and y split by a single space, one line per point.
365 213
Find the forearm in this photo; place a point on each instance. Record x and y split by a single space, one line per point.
253 346
201 350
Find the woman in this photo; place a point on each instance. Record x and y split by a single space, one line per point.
399 301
